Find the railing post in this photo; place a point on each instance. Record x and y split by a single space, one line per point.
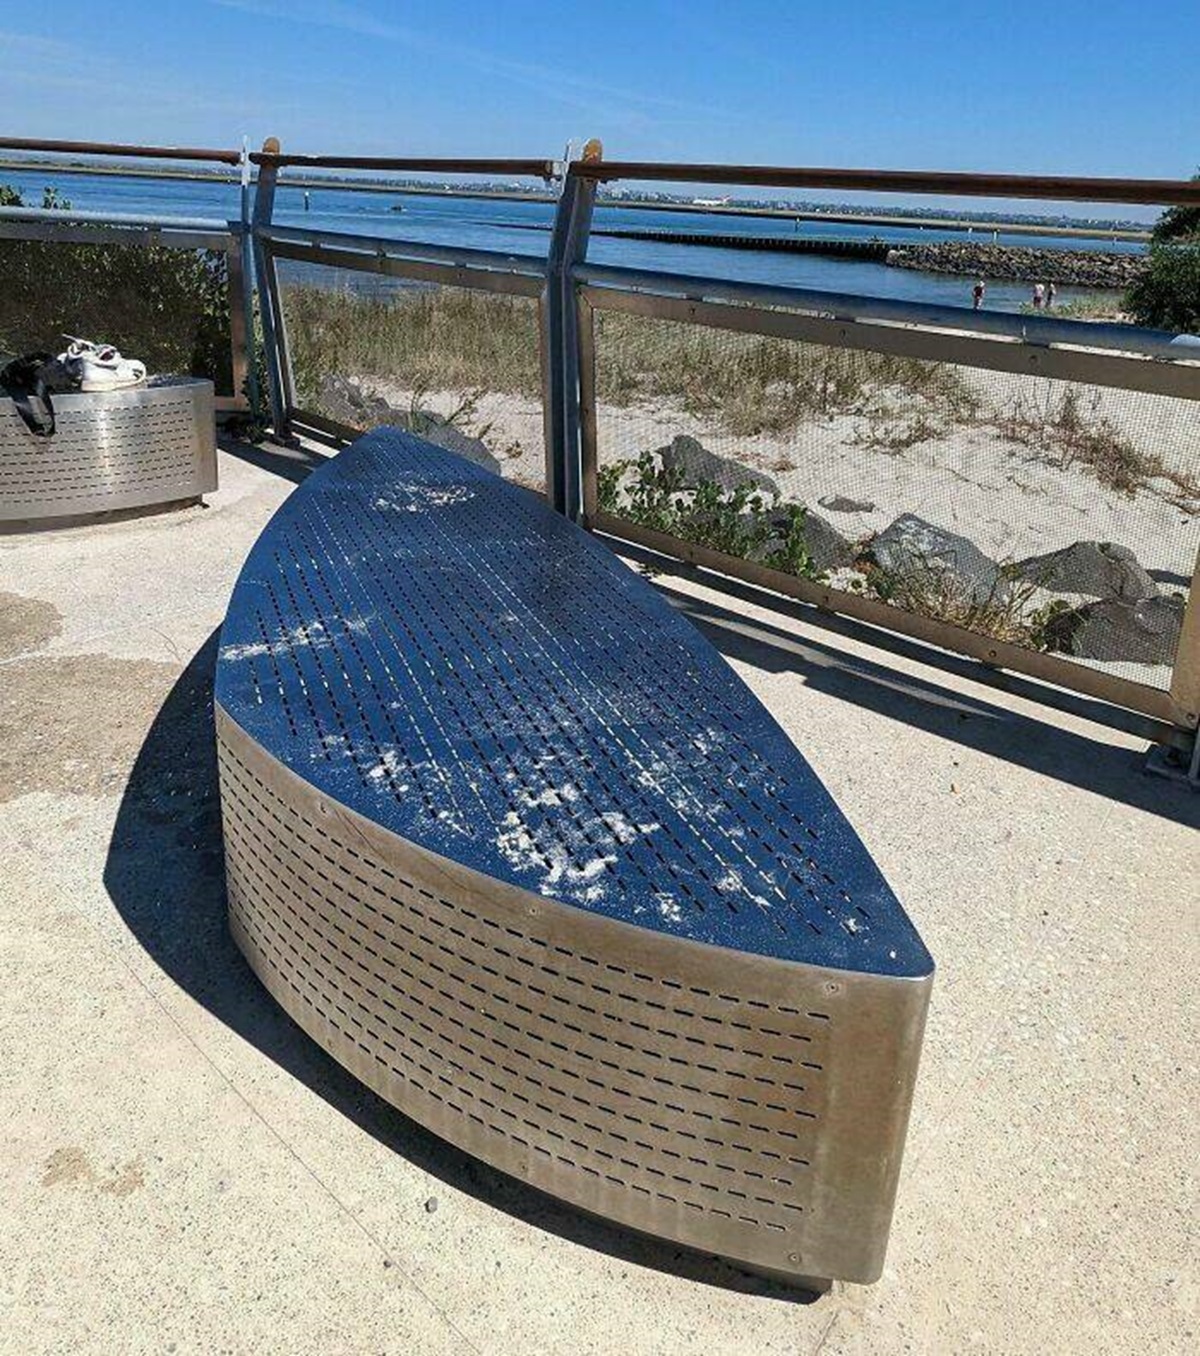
274 335
561 399
244 270
1185 676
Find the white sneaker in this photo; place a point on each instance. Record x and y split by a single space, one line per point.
100 367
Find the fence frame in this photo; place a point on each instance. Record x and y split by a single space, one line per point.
230 237
478 270
570 292
1116 356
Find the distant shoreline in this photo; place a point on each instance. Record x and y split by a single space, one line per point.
902 221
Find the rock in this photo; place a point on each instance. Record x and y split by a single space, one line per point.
434 429
839 503
1026 263
828 548
911 547
346 401
1145 631
1096 569
695 462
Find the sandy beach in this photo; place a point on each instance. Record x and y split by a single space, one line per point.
1011 498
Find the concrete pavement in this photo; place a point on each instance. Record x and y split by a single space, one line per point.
182 1170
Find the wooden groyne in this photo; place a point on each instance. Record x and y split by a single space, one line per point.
872 251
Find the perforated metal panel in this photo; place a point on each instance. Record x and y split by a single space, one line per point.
152 444
507 837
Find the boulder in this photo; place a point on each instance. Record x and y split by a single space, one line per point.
435 429
695 463
1145 631
1096 569
828 548
345 400
840 503
911 548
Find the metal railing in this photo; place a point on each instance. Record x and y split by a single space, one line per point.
228 237
416 261
572 293
573 296
1112 356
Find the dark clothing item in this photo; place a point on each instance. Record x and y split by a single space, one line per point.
29 382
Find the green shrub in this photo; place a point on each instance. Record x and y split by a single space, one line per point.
1177 223
1166 294
739 522
168 307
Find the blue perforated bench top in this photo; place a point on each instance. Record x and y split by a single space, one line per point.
443 654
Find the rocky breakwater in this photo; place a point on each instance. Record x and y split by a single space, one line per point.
1022 263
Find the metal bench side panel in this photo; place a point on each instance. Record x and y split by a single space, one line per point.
111 451
746 1106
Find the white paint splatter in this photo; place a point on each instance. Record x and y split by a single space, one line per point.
423 497
732 883
312 635
551 796
669 907
389 765
558 867
624 831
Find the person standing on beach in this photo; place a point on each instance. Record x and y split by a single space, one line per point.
1051 293
1039 295
977 293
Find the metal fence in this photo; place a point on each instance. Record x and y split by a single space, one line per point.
210 236
471 299
1097 424
430 305
1020 489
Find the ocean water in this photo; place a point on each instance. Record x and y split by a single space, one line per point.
522 228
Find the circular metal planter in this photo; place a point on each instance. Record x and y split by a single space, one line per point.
148 445
510 840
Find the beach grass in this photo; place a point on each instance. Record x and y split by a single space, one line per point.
454 340
450 339
442 338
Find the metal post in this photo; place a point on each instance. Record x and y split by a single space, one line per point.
568 247
268 292
588 432
240 306
1185 677
245 265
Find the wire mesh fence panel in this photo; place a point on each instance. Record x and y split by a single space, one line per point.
169 307
457 366
1060 517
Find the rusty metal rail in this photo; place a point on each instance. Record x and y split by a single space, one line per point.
49 147
1054 188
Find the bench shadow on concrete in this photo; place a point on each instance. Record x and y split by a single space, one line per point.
165 875
1096 765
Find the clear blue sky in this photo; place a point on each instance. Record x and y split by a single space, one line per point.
1059 86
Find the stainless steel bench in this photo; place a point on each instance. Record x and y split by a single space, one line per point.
147 445
508 838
